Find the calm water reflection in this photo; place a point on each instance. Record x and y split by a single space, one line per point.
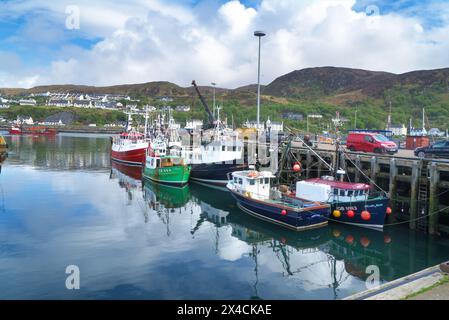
63 204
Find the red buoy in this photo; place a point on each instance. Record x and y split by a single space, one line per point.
350 214
387 239
389 211
366 215
297 167
284 212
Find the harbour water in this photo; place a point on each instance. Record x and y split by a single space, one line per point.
61 204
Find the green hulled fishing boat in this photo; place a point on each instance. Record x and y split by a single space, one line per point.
163 168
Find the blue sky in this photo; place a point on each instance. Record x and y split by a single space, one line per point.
35 42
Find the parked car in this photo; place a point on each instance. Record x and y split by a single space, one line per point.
439 149
370 142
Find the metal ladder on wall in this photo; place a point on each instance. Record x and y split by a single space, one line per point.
423 198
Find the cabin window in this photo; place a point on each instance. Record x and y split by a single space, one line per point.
335 192
252 182
342 193
223 148
261 180
350 193
235 179
240 181
267 180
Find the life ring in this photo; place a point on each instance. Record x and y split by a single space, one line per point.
253 174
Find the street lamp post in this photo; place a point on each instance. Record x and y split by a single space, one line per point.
259 34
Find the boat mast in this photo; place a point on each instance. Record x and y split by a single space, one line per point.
146 122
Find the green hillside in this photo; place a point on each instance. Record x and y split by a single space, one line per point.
324 91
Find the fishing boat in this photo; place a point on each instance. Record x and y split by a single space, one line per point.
15 130
33 130
130 147
351 203
254 195
163 168
212 161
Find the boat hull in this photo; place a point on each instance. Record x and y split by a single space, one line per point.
376 207
15 131
134 157
175 176
310 218
34 131
214 173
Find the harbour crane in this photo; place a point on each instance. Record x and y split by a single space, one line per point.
206 106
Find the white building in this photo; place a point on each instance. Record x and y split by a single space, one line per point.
82 104
27 102
253 125
182 108
59 103
22 120
274 126
194 124
398 130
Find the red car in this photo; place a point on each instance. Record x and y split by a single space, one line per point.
370 142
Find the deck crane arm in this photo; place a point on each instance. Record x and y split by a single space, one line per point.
206 106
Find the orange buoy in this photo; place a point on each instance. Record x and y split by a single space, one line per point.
284 212
350 214
366 215
389 211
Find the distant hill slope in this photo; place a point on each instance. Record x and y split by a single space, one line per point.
333 81
324 90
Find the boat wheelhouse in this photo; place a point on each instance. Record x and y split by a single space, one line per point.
163 168
212 162
255 196
129 148
351 203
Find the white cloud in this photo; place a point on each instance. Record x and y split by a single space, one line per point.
150 41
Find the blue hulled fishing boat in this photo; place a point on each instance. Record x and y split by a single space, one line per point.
255 196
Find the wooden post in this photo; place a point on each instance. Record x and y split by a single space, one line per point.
357 170
309 163
414 194
433 199
393 186
320 168
373 170
342 161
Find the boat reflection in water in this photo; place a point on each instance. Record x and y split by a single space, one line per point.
129 178
327 263
166 201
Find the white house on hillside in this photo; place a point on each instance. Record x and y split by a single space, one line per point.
398 130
